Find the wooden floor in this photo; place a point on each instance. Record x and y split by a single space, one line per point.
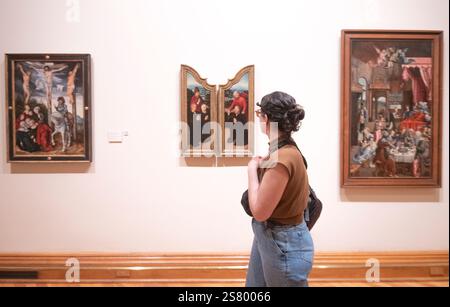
228 284
383 284
399 269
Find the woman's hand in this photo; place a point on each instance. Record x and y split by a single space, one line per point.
254 163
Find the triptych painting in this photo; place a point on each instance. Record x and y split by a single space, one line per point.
217 121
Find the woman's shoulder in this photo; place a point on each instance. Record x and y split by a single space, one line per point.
289 156
289 151
293 154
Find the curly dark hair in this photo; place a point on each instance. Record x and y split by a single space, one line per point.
282 108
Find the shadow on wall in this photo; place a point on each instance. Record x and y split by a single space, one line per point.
397 195
54 168
213 162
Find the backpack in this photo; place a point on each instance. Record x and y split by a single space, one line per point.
313 209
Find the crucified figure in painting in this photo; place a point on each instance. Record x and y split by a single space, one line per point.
48 72
71 76
71 84
26 77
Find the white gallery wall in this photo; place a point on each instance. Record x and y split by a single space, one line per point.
137 196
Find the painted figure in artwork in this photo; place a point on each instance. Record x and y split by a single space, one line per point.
48 73
71 77
63 122
198 112
239 99
43 135
196 101
236 117
26 77
71 84
240 134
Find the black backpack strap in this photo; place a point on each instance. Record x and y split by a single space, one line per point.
304 159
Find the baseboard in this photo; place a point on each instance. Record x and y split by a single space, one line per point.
213 270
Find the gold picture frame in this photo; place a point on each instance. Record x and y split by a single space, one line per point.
199 124
391 108
237 114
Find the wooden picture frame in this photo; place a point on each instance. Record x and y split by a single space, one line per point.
391 108
48 101
199 124
236 114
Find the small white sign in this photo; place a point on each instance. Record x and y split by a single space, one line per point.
115 137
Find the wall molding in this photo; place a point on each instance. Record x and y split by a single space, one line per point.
212 269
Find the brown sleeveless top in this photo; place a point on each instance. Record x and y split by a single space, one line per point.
290 209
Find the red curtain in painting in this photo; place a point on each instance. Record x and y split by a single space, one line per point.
420 84
426 73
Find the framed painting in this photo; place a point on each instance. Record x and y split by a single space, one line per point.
236 114
391 108
198 114
48 107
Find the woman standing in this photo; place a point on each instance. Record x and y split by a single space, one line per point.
283 251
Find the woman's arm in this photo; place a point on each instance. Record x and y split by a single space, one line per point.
265 196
